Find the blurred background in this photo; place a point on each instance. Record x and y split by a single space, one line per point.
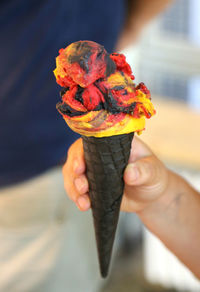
167 60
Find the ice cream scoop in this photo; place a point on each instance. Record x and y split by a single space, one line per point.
101 102
99 97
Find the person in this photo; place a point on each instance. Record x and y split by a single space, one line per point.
37 237
167 205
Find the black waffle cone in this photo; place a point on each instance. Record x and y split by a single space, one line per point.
106 159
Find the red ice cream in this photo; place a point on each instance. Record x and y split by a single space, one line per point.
98 87
101 102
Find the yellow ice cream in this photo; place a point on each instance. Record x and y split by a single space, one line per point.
100 98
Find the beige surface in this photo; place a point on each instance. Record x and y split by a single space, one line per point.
174 133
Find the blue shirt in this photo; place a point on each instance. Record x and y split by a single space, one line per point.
33 136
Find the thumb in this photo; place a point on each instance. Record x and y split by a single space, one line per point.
142 172
145 181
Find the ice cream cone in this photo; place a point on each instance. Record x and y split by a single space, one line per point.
101 102
106 159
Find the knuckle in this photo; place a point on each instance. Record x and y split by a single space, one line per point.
154 169
148 169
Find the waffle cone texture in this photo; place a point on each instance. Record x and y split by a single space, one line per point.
106 159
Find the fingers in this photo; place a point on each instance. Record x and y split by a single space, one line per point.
81 184
83 202
75 182
76 157
81 187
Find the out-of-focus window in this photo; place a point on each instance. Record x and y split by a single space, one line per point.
169 64
170 54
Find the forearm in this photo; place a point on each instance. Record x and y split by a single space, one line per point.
139 13
175 219
142 11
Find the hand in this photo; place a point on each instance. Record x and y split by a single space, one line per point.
146 178
165 202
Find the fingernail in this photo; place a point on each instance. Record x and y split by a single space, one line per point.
132 173
83 202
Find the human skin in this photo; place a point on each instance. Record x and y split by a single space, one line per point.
140 13
166 204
